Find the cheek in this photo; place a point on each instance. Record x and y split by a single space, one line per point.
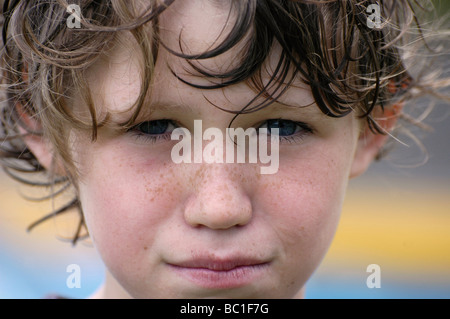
305 198
125 202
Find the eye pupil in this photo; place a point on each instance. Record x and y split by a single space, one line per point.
285 127
154 127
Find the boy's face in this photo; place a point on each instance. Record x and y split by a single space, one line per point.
208 230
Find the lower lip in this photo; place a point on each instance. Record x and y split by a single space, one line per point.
222 279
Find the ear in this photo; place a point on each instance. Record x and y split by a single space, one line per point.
370 143
39 145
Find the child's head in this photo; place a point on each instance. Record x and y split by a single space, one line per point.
95 102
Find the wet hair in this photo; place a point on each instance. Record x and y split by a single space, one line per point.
350 65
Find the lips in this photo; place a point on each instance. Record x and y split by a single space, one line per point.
223 273
219 264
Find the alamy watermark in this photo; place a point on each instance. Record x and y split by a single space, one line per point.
240 146
74 19
374 279
74 279
374 17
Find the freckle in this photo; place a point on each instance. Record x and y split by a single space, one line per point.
145 247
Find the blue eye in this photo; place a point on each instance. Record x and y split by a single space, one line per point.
154 130
285 127
287 130
153 127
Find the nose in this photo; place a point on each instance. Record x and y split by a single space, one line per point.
219 200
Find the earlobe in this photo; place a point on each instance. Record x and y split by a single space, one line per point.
370 143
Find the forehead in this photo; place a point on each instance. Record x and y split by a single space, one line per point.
200 23
188 27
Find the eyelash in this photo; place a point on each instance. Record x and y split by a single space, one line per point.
298 137
305 130
151 138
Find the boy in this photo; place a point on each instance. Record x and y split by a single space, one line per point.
97 92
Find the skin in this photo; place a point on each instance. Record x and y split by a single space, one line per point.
145 212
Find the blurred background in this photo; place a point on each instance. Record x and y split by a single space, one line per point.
396 216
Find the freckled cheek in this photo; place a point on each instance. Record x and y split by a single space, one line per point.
303 203
125 203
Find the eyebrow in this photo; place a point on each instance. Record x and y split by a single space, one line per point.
276 106
147 109
188 108
310 110
168 107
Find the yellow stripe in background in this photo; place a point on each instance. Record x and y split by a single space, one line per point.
405 228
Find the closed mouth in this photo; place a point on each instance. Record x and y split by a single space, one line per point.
221 273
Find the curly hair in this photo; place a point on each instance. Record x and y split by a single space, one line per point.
349 65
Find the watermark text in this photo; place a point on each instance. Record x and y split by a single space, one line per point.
241 146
